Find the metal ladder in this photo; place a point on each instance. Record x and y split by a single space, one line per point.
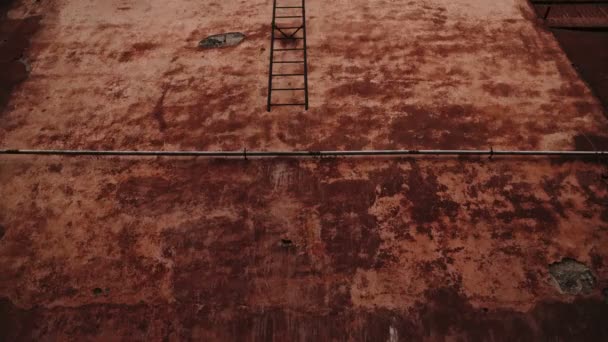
287 33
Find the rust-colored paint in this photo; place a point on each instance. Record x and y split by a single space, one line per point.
329 249
194 248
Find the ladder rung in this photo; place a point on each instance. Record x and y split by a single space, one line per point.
287 75
292 19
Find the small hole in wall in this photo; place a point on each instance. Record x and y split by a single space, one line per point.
286 243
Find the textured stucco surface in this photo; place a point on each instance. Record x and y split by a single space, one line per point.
383 249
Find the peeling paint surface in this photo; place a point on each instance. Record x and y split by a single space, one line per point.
323 249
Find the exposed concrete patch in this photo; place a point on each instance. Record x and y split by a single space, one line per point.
222 40
572 277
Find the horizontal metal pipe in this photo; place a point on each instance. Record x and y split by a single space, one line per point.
245 153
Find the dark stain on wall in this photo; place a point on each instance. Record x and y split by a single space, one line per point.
443 312
15 35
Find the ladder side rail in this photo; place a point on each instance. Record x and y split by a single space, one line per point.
274 12
305 54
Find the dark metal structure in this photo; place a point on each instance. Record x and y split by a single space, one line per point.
286 37
584 14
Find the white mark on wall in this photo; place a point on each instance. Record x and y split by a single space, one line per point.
393 334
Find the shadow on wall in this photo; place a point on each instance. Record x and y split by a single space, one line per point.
4 6
582 31
15 35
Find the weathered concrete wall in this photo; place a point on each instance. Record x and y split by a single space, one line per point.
193 248
386 75
381 249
